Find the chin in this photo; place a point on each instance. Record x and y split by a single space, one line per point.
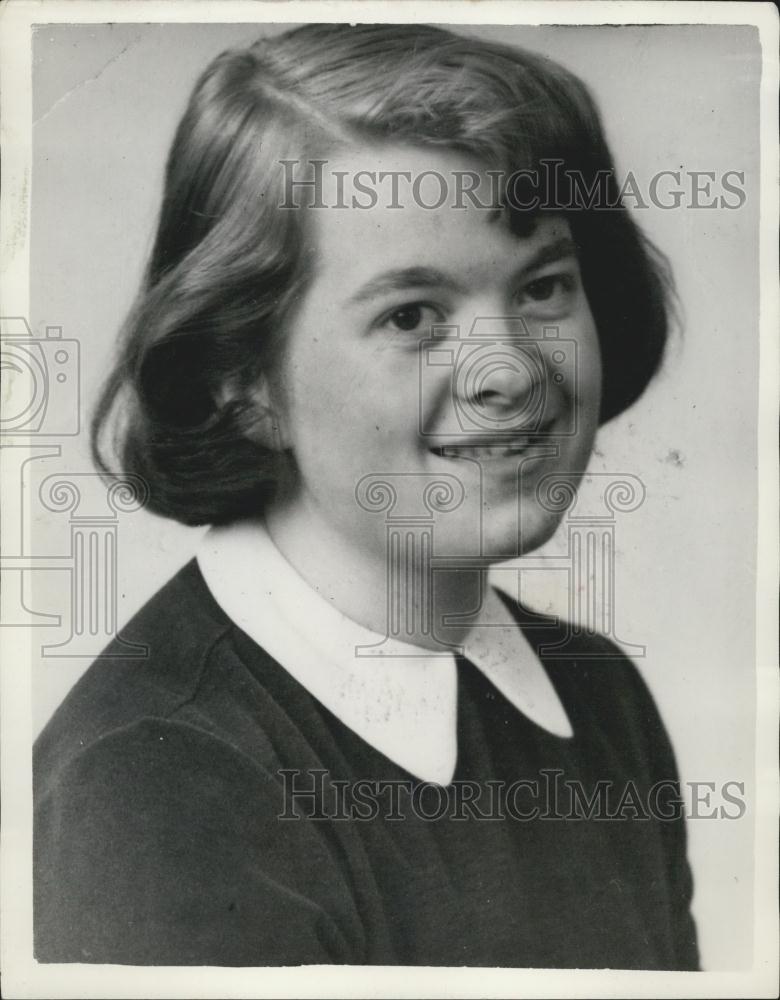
503 542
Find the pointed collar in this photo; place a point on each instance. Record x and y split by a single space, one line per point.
403 701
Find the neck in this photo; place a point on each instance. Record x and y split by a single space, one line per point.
385 587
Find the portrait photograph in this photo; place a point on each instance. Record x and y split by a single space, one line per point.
389 550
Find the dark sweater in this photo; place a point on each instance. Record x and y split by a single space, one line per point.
160 785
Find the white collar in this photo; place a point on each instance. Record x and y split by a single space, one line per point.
404 703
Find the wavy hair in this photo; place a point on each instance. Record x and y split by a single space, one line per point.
228 265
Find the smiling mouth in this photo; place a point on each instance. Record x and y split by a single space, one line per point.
481 451
493 449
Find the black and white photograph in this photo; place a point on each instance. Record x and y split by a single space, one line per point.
389 557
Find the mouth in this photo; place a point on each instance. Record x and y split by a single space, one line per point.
485 451
492 449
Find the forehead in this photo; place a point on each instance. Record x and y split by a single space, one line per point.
396 206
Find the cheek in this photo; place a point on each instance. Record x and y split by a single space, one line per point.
314 382
332 407
590 370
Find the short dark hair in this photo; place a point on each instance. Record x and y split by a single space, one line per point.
228 264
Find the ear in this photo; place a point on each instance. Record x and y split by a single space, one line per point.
268 425
261 419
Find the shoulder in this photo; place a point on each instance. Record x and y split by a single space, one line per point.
161 843
162 660
157 831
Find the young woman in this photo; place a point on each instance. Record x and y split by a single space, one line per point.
379 321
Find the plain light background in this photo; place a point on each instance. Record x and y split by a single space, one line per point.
106 101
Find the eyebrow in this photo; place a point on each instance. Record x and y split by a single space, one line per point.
428 277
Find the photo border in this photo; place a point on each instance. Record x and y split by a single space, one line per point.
22 976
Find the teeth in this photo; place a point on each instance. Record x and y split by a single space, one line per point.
480 451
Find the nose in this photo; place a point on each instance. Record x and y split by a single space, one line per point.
503 385
500 385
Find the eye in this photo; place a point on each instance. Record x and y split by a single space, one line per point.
411 318
408 318
549 287
550 293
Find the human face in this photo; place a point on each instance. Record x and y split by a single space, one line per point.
359 396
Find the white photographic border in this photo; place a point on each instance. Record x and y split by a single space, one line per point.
22 976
